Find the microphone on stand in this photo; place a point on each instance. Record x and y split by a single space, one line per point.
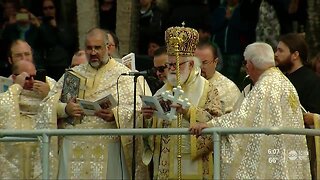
141 73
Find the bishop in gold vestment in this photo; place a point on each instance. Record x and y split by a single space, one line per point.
203 96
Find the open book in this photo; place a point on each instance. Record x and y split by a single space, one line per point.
5 83
90 107
161 106
129 61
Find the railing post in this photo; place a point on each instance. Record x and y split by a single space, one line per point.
45 156
216 155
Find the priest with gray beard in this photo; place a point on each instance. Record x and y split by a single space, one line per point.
99 157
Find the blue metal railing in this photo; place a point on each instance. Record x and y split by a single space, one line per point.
45 134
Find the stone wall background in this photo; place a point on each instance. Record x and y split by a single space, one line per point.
87 18
127 25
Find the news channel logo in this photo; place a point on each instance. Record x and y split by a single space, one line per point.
283 155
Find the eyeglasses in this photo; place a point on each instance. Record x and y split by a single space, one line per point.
27 78
175 64
48 7
160 69
93 48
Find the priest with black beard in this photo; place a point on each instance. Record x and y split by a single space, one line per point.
291 56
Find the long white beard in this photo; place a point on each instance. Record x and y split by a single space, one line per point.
183 76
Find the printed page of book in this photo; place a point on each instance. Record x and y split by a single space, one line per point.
90 107
129 61
107 102
161 106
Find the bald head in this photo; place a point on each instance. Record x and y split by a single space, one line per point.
97 33
79 58
27 67
23 66
20 50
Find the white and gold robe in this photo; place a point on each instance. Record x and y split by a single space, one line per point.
22 160
273 102
103 157
316 119
196 152
228 91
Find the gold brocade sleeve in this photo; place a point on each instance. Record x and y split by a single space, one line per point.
9 107
202 145
51 82
209 106
212 103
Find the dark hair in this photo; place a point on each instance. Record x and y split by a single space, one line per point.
207 44
296 42
157 39
53 2
56 5
205 27
161 50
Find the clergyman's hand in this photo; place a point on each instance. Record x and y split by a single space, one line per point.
105 114
196 129
41 88
73 109
308 118
21 78
180 109
147 111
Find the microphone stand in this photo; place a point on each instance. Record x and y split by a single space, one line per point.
134 125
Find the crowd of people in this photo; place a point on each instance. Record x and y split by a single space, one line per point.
227 24
283 92
53 42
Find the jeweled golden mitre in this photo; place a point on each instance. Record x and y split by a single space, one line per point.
183 40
